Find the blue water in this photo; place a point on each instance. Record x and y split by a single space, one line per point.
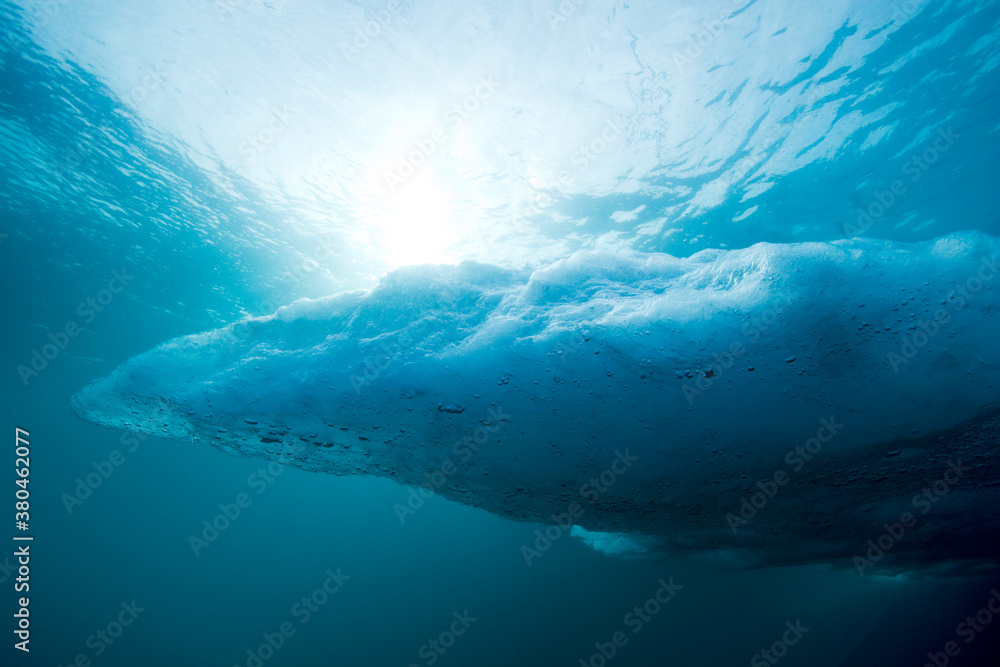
173 167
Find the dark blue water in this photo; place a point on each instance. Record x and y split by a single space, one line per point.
229 158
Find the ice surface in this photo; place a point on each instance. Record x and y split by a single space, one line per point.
645 394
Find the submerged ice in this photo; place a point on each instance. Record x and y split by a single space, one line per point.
770 405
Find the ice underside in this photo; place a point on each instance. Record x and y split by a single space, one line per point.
612 352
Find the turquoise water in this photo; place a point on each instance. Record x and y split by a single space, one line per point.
172 168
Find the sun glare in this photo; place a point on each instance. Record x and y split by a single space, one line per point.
416 227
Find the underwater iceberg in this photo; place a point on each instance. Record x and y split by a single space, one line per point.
777 404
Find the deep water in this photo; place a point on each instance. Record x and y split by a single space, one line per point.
170 168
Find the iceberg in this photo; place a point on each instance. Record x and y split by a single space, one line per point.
778 404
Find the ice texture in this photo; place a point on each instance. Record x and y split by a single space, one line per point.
644 394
